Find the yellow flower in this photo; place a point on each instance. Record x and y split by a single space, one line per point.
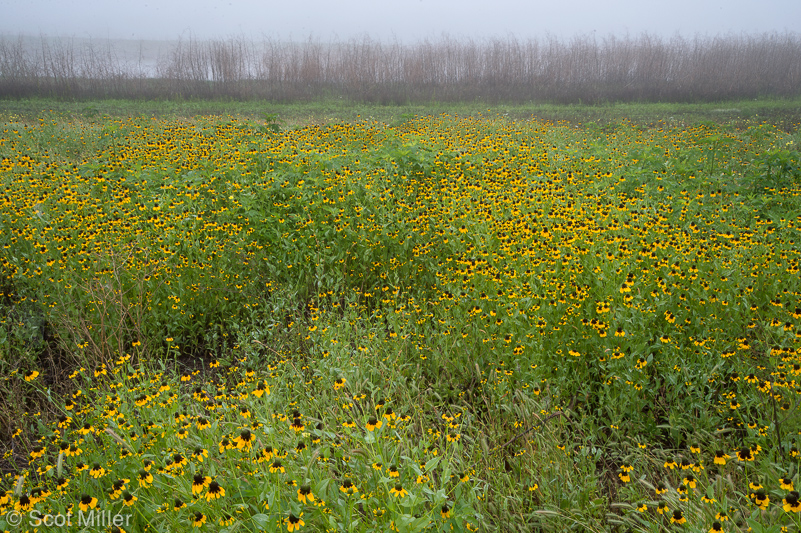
761 499
244 441
305 494
293 523
25 503
37 452
97 471
721 457
791 503
145 478
261 389
87 502
398 491
200 453
348 487
373 423
215 491
128 499
199 483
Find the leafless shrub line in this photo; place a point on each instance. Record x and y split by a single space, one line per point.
581 69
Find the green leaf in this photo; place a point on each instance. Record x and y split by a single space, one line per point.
261 519
432 463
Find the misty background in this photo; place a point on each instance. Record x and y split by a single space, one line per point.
395 52
390 20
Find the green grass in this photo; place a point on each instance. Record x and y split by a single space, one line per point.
550 320
786 113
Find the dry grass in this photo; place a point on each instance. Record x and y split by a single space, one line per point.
583 69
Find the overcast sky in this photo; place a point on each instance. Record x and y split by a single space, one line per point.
405 20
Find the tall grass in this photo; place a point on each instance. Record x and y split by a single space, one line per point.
583 69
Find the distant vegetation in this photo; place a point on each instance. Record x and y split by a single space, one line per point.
584 69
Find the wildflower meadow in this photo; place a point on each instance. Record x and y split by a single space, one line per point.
447 323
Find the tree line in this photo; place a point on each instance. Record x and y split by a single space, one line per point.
580 69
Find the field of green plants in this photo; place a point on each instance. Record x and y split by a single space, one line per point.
449 323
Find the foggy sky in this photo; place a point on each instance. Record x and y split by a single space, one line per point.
404 20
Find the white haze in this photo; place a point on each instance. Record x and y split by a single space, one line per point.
391 20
